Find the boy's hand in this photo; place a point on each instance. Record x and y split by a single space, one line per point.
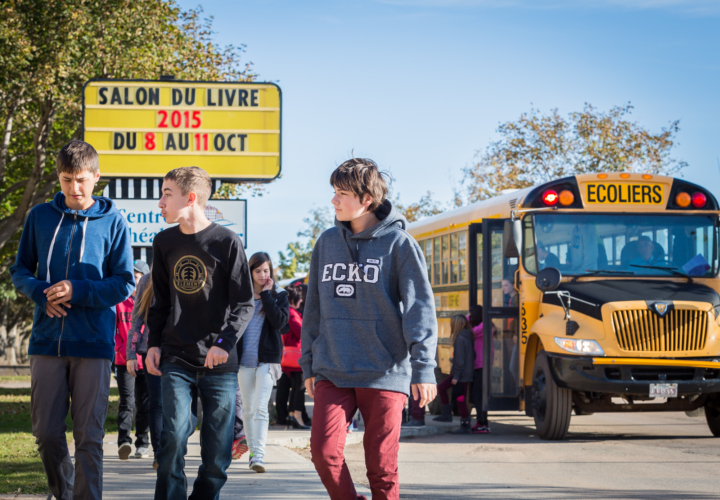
310 386
130 365
56 311
268 285
454 382
215 357
424 392
153 361
60 292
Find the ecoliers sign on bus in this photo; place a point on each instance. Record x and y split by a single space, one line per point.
145 220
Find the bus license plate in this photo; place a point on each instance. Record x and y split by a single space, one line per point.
663 390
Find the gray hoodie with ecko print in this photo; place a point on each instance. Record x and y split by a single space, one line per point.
369 319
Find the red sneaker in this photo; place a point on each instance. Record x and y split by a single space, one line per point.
239 448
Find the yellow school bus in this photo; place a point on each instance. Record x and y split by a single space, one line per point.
602 290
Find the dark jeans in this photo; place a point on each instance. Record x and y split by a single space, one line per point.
217 392
154 391
477 396
417 411
290 396
81 385
132 390
462 404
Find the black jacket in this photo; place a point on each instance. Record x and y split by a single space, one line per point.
463 360
277 312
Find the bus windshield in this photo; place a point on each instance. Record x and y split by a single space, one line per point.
622 244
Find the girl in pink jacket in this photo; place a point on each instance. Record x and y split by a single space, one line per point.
476 317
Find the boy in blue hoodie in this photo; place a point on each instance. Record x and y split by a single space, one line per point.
369 331
75 262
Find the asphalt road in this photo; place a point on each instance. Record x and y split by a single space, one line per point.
606 456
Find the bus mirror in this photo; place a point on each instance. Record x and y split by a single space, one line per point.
548 279
512 238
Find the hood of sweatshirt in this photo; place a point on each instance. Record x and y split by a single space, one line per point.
103 207
390 220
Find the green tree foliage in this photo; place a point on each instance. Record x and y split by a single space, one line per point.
426 207
48 50
296 259
538 148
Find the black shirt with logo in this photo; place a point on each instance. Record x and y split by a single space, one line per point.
203 296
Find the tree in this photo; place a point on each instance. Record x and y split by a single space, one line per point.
297 257
426 207
48 50
538 148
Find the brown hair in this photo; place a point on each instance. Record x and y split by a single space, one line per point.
257 260
458 323
145 301
294 294
192 179
361 176
77 156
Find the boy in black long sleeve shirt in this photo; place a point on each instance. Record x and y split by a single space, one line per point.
203 302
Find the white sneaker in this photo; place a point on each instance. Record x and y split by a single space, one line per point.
142 452
258 465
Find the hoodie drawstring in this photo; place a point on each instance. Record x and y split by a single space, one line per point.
52 245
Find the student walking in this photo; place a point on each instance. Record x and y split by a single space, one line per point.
137 353
461 373
131 382
203 302
260 353
75 262
369 331
482 426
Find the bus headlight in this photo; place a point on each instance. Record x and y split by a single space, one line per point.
577 346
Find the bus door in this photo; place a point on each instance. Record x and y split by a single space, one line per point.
492 284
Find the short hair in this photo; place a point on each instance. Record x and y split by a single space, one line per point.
476 315
192 179
645 238
361 176
76 157
294 294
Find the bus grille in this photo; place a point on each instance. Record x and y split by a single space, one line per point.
643 330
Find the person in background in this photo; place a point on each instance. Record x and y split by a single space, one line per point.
131 384
137 352
260 353
546 258
240 445
294 375
75 262
476 322
461 373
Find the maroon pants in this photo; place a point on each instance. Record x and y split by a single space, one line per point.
462 404
333 412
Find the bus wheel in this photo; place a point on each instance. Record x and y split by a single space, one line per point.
712 415
552 405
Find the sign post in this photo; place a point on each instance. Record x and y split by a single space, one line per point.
145 128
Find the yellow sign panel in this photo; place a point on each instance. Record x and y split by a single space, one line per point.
623 193
144 128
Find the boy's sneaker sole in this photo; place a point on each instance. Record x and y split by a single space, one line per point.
124 451
481 430
239 448
258 467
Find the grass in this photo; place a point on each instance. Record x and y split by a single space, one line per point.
20 468
14 378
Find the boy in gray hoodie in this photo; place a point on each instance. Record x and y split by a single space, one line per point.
369 331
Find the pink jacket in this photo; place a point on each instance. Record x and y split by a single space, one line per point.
478 331
124 318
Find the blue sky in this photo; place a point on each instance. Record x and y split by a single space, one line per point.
421 85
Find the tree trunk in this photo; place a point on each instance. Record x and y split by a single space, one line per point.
7 135
4 346
15 348
12 224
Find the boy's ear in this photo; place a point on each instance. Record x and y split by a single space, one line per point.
367 200
192 198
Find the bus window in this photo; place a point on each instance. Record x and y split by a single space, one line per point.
480 268
427 249
436 261
462 249
445 259
454 258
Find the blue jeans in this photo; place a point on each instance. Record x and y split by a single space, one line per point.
217 391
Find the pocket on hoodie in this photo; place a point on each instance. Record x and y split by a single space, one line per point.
351 345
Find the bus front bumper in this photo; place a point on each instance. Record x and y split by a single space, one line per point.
633 376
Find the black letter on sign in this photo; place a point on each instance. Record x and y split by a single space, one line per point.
219 145
646 194
118 140
230 146
189 96
154 97
591 193
186 144
220 97
209 98
127 96
230 97
116 96
131 140
657 192
253 98
141 95
176 97
242 141
170 142
242 97
103 97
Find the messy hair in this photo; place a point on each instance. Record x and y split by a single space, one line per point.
192 179
361 176
458 323
76 157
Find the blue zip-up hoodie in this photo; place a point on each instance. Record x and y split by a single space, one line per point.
91 249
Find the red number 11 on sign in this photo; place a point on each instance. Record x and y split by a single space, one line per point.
198 138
